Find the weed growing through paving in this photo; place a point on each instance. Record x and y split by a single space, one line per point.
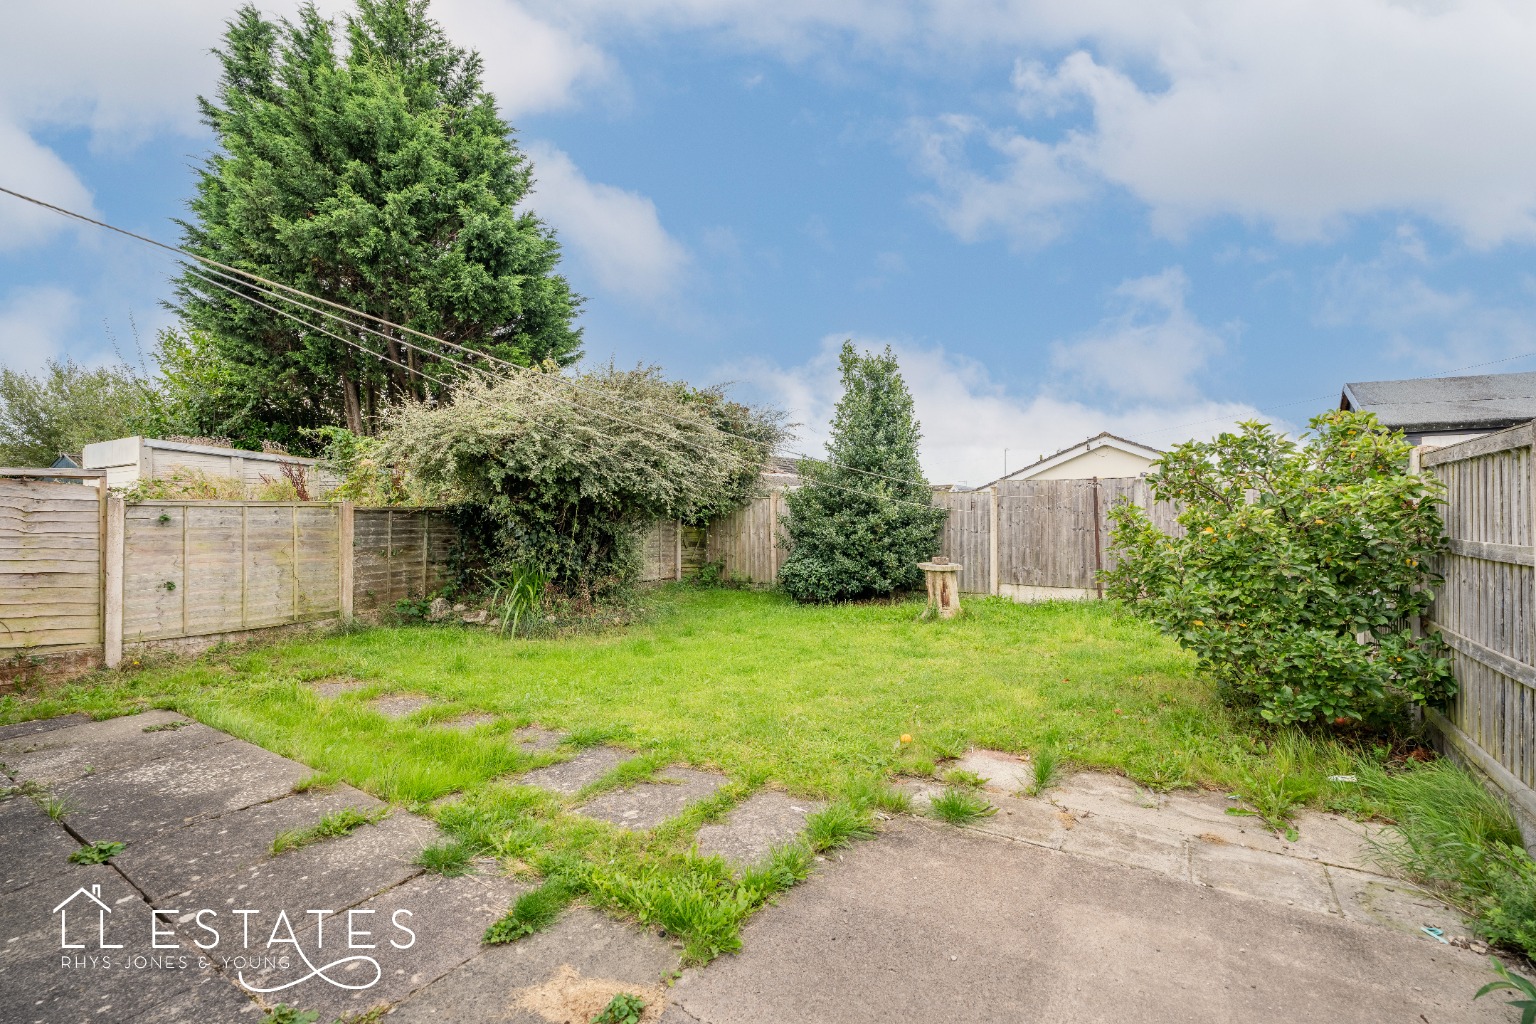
535 910
962 779
285 1014
1044 770
166 727
623 1008
56 807
98 852
1456 838
450 859
838 825
876 795
960 806
332 826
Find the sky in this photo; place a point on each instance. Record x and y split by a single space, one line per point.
1153 217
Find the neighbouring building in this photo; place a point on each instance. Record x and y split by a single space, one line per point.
1445 410
128 460
1102 456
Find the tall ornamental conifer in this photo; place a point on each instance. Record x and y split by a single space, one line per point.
369 167
864 519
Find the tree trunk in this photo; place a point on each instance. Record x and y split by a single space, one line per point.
350 398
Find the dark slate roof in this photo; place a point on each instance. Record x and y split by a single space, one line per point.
1486 402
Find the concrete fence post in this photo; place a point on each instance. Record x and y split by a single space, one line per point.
112 583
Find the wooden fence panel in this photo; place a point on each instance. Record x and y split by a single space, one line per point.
660 551
750 542
398 554
50 565
967 536
214 596
1046 535
199 568
1484 607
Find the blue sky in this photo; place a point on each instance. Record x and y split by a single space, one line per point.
1152 217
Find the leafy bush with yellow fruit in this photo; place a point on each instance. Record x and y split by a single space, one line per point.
1300 571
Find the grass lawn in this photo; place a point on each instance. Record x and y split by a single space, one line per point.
811 699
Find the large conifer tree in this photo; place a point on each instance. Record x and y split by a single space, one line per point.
377 174
864 519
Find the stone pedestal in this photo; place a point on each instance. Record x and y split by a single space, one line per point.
943 578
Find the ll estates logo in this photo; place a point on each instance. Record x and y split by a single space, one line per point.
265 950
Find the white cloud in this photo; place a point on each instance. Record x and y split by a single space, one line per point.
37 171
613 232
1025 201
531 65
34 323
1150 350
1298 115
968 418
1422 327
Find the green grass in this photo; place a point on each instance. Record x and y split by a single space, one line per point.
1045 770
960 806
1459 840
450 859
810 699
332 826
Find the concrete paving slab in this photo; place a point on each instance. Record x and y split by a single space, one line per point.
448 917
210 999
330 689
33 846
532 739
37 983
61 755
398 707
1372 899
569 777
1265 876
40 725
937 924
755 826
1005 773
330 875
650 803
1141 846
132 803
581 948
1028 819
180 858
29 910
1334 839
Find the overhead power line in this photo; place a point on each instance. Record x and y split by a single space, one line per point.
515 367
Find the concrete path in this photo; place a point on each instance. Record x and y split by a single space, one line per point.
196 919
1097 902
934 924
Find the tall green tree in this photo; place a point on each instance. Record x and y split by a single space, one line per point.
864 519
374 171
68 407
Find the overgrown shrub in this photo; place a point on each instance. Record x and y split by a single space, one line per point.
569 470
865 518
1300 571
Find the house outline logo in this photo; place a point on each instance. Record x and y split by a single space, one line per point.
102 910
